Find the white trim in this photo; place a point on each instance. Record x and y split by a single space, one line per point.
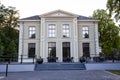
58 20
96 39
28 20
48 30
88 26
69 29
56 11
60 17
89 20
21 36
76 57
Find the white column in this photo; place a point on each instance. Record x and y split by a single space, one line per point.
96 39
59 50
42 40
21 46
75 40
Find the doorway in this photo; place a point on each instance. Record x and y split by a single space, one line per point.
51 52
66 51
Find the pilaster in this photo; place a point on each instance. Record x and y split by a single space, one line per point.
21 46
42 39
96 39
75 40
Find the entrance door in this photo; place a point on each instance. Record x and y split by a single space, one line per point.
51 52
31 50
66 51
86 50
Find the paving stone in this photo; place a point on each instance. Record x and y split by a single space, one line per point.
63 75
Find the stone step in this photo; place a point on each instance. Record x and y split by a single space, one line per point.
60 66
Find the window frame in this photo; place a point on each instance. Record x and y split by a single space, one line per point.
85 30
32 31
51 31
65 31
85 47
51 46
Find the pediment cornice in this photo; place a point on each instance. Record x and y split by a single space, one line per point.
59 13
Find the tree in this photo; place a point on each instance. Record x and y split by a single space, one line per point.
114 8
9 36
109 32
8 16
1 44
1 48
11 48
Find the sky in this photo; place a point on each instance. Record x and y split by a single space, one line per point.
28 8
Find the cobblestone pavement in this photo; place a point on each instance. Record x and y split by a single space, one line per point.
62 75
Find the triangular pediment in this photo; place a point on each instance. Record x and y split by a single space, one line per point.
59 13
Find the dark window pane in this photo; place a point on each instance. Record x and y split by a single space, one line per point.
31 50
66 51
86 50
51 44
51 49
85 32
32 32
66 44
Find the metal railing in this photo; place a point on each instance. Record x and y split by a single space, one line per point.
20 58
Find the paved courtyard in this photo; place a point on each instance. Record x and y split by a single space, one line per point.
62 75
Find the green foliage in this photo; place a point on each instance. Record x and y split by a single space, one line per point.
11 48
115 71
8 16
39 60
109 33
9 36
9 40
1 48
114 8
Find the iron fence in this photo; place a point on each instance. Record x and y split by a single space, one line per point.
20 58
25 59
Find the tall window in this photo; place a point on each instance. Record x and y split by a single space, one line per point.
51 30
66 50
31 50
85 32
32 32
66 30
86 50
51 49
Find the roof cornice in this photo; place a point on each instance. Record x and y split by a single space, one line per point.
55 11
28 20
89 20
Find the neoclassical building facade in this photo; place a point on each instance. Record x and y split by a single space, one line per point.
58 34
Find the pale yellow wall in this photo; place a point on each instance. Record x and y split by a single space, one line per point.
26 29
75 39
58 17
90 40
26 39
59 38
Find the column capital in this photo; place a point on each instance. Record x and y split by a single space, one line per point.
42 20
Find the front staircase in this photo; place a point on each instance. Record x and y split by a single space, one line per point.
60 66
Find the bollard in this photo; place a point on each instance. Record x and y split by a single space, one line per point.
6 73
33 59
21 59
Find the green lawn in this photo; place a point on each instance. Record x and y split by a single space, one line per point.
115 71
